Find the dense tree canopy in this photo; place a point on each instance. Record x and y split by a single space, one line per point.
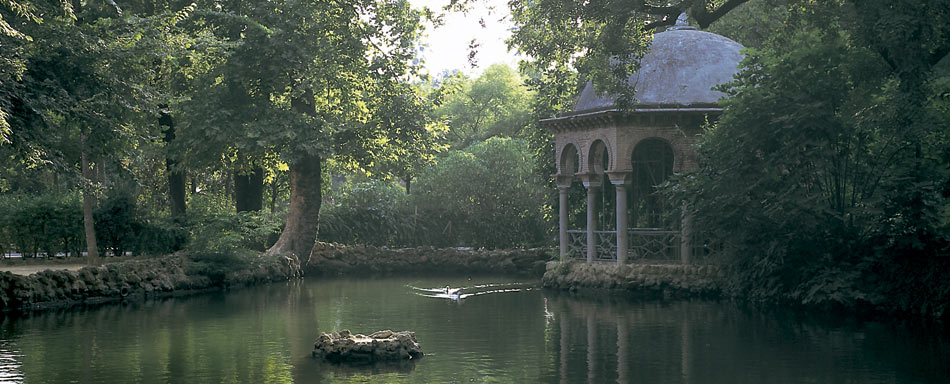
824 181
497 103
239 85
826 176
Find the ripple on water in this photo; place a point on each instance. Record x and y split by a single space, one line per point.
10 365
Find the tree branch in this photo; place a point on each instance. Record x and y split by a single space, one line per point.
705 18
697 9
666 21
641 6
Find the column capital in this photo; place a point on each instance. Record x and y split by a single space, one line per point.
620 177
591 180
563 181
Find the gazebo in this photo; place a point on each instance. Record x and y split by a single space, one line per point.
637 149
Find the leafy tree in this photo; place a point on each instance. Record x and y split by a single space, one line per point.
494 104
13 40
485 196
399 139
370 212
84 94
303 81
601 40
826 169
797 181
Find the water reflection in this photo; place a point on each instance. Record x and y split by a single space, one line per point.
376 368
609 339
512 333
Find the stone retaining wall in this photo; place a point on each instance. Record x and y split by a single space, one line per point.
335 259
137 278
670 280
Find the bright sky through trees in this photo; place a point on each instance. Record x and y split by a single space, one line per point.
447 47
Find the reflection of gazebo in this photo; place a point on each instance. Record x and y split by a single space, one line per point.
639 148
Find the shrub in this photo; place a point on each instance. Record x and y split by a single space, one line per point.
116 225
228 242
159 237
49 223
369 212
484 196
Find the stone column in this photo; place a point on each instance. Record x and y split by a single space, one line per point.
686 243
592 182
620 180
591 222
621 223
562 219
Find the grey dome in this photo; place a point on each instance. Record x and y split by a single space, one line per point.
679 70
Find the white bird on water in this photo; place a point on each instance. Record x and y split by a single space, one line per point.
454 293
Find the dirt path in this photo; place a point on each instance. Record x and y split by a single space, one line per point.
31 269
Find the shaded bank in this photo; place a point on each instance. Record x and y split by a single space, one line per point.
181 274
169 275
903 291
333 259
645 280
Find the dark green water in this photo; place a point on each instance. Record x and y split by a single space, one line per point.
264 335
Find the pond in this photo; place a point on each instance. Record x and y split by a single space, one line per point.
508 331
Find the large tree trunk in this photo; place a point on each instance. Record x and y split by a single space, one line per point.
306 195
176 175
88 202
249 190
300 231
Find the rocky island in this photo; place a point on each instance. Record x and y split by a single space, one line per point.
385 345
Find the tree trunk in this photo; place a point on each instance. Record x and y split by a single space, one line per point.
274 189
88 202
249 190
306 195
176 175
101 175
300 231
408 180
194 185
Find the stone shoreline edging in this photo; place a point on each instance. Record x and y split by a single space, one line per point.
163 276
663 280
334 259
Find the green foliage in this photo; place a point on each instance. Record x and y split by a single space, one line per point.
601 40
818 181
49 224
120 227
751 24
371 212
484 196
229 242
158 236
233 233
116 224
52 223
497 103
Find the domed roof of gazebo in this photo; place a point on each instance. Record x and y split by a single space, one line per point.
679 71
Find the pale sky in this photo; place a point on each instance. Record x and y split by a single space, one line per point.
447 46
